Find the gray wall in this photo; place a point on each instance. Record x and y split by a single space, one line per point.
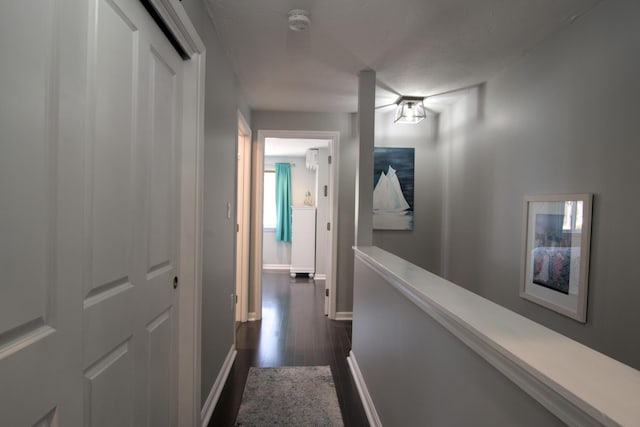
222 100
417 373
345 124
564 119
422 245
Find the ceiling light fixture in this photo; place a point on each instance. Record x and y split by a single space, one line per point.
299 20
410 109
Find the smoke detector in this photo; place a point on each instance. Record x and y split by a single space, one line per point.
299 20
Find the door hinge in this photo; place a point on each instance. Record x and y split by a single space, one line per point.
329 159
237 228
326 292
326 190
328 226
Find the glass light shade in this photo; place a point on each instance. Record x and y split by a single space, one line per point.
410 110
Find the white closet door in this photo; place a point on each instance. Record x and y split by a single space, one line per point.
41 130
129 324
90 96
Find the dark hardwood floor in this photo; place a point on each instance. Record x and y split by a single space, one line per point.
293 332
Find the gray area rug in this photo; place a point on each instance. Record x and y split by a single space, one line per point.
290 396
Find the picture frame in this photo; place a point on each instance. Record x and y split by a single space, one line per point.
556 243
393 192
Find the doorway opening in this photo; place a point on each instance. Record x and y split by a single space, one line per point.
313 163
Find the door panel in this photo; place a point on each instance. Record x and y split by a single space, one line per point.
164 75
26 165
40 373
110 192
159 341
90 103
108 395
113 73
132 214
162 184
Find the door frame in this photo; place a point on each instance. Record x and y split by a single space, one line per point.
243 204
172 13
255 282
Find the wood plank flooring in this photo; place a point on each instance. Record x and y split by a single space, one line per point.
293 332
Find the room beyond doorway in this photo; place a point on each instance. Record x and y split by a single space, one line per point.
314 187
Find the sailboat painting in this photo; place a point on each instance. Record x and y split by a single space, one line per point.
393 178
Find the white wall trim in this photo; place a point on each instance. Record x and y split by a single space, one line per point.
243 238
363 391
216 389
591 390
344 315
187 389
320 277
276 267
257 185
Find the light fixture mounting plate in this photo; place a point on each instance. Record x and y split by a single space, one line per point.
298 20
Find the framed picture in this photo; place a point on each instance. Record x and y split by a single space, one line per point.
555 252
393 177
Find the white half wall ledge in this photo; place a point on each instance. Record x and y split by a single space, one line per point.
584 388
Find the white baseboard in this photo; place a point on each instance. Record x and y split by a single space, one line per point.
344 315
216 390
365 397
252 317
276 267
320 277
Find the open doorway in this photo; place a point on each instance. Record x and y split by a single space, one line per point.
317 186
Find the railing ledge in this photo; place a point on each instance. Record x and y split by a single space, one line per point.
583 388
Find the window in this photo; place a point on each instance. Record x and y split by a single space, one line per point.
572 215
269 212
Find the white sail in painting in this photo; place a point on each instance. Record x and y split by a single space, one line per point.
390 208
387 196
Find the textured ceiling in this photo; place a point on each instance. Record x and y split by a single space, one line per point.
416 47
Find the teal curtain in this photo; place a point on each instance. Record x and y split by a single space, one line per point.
283 202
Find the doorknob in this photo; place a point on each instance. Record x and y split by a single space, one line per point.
175 282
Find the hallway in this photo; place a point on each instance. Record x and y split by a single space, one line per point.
293 332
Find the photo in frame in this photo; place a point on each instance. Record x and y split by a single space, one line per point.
555 252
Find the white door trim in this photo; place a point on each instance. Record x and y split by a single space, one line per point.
191 216
243 238
257 209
